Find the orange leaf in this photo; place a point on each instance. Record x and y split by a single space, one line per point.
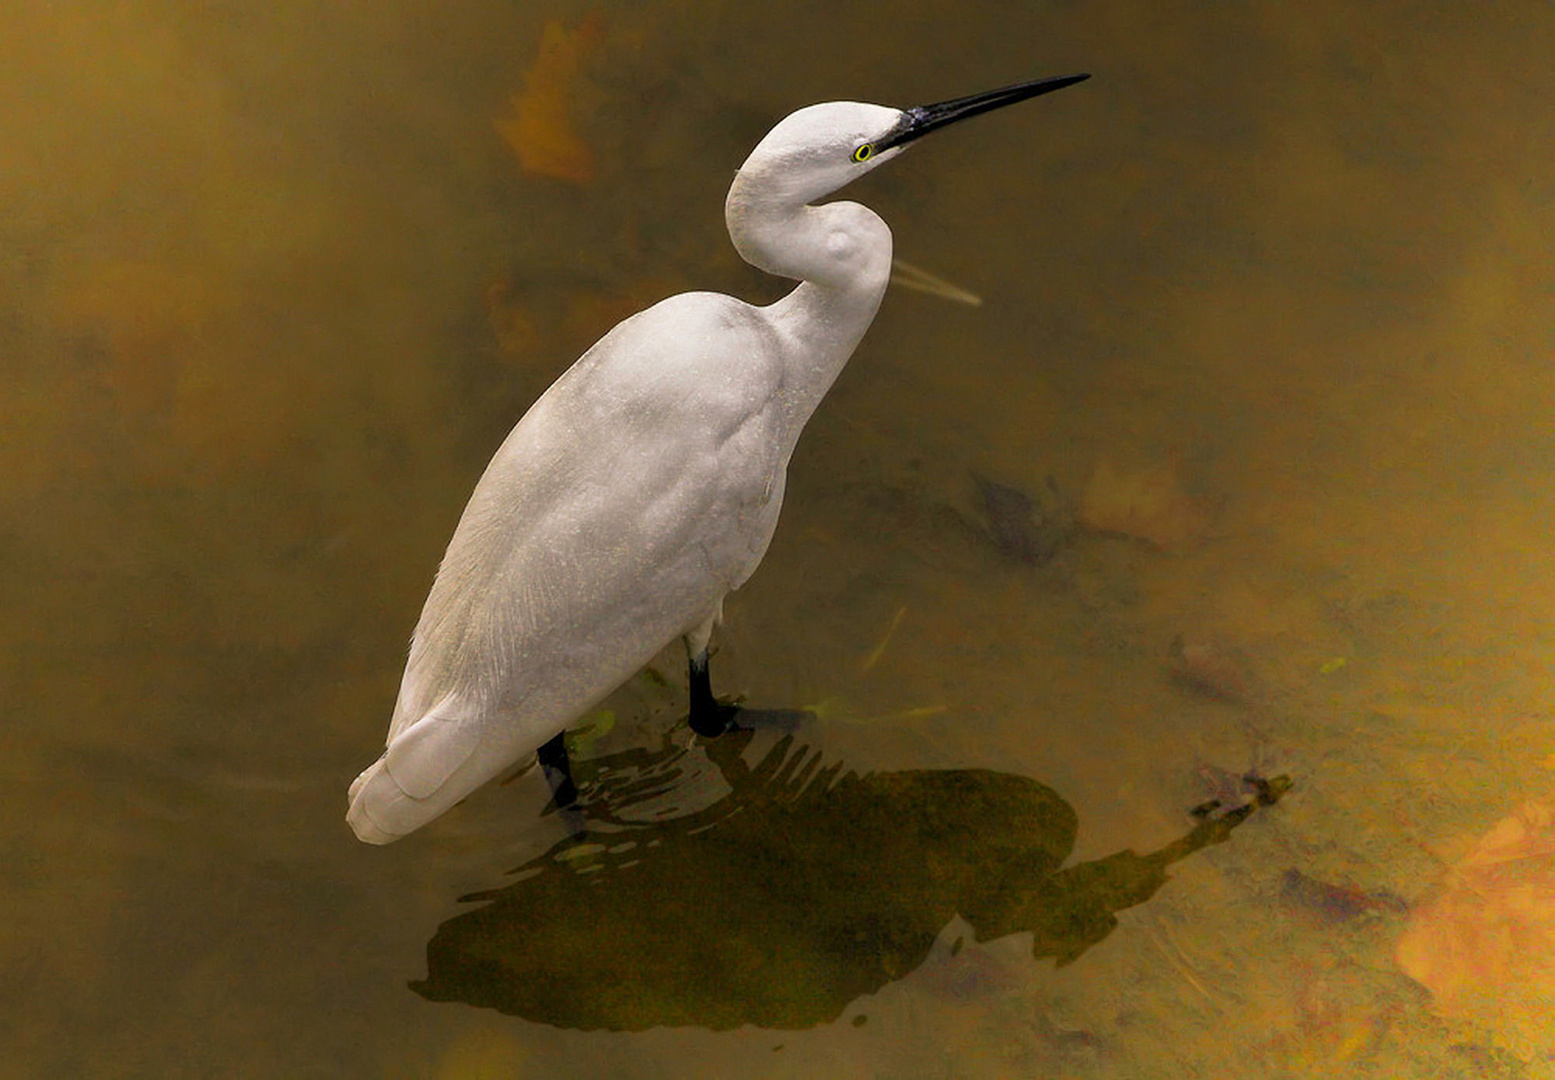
540 130
1486 942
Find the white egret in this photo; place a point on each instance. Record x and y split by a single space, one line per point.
645 484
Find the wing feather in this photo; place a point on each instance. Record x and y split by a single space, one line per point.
615 516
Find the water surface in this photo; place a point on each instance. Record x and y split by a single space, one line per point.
1265 347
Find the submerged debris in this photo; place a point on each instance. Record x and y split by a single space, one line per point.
1336 903
1023 528
1230 789
1210 669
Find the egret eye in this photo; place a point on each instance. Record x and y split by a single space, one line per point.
864 153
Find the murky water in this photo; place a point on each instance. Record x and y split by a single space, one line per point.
1243 468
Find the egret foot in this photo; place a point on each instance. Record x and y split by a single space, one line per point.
708 716
558 771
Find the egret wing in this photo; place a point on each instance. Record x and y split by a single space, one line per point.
610 521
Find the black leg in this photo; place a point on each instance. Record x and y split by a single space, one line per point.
708 718
558 772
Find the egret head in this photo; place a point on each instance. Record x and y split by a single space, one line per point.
813 152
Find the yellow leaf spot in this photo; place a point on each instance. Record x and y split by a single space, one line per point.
1148 504
1331 666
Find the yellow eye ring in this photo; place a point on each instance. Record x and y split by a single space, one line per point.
864 153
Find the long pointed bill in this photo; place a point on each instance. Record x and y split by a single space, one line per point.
919 121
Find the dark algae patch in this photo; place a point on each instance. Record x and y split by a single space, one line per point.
1024 528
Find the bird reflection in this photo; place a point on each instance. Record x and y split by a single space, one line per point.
795 890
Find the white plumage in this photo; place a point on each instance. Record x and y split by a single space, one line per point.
645 484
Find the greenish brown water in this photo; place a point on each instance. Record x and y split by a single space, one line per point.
1270 298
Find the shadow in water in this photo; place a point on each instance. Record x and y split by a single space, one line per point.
794 893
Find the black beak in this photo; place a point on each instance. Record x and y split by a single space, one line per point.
922 119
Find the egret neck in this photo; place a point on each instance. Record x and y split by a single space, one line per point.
839 252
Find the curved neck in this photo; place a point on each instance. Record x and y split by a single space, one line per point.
839 252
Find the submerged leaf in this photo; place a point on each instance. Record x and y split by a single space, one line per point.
1485 945
540 131
1148 505
1211 668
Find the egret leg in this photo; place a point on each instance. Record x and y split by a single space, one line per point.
558 771
708 717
